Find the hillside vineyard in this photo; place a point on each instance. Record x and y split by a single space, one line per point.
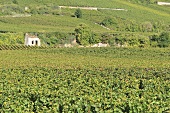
84 56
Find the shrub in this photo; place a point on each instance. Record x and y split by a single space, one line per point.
147 27
84 36
78 13
107 22
164 39
15 1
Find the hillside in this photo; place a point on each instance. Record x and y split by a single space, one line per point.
46 16
84 56
135 12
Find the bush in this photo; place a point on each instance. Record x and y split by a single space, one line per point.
78 13
164 39
9 10
53 38
107 38
84 36
15 1
107 22
34 11
147 27
11 38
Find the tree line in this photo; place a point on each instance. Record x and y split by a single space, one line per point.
85 36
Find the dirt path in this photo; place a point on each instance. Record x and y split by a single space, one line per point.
91 8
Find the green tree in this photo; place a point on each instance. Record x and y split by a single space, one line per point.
107 38
78 13
164 39
15 1
154 40
84 35
147 27
107 22
33 11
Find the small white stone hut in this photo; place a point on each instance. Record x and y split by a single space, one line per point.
32 40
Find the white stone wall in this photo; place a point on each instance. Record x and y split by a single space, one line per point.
29 41
163 3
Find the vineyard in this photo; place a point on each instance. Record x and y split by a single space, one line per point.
130 76
22 47
45 23
48 17
88 80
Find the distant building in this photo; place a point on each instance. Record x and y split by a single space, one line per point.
32 40
26 8
163 3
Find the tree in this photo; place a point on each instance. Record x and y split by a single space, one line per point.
107 22
84 36
164 39
15 1
78 13
147 27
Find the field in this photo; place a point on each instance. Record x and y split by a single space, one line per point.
64 22
85 80
44 23
131 76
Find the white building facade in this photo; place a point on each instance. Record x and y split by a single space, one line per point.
32 40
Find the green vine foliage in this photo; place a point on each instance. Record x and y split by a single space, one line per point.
80 80
110 90
11 38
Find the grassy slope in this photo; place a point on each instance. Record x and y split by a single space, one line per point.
45 23
66 23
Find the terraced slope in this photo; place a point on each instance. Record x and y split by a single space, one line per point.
66 23
45 23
